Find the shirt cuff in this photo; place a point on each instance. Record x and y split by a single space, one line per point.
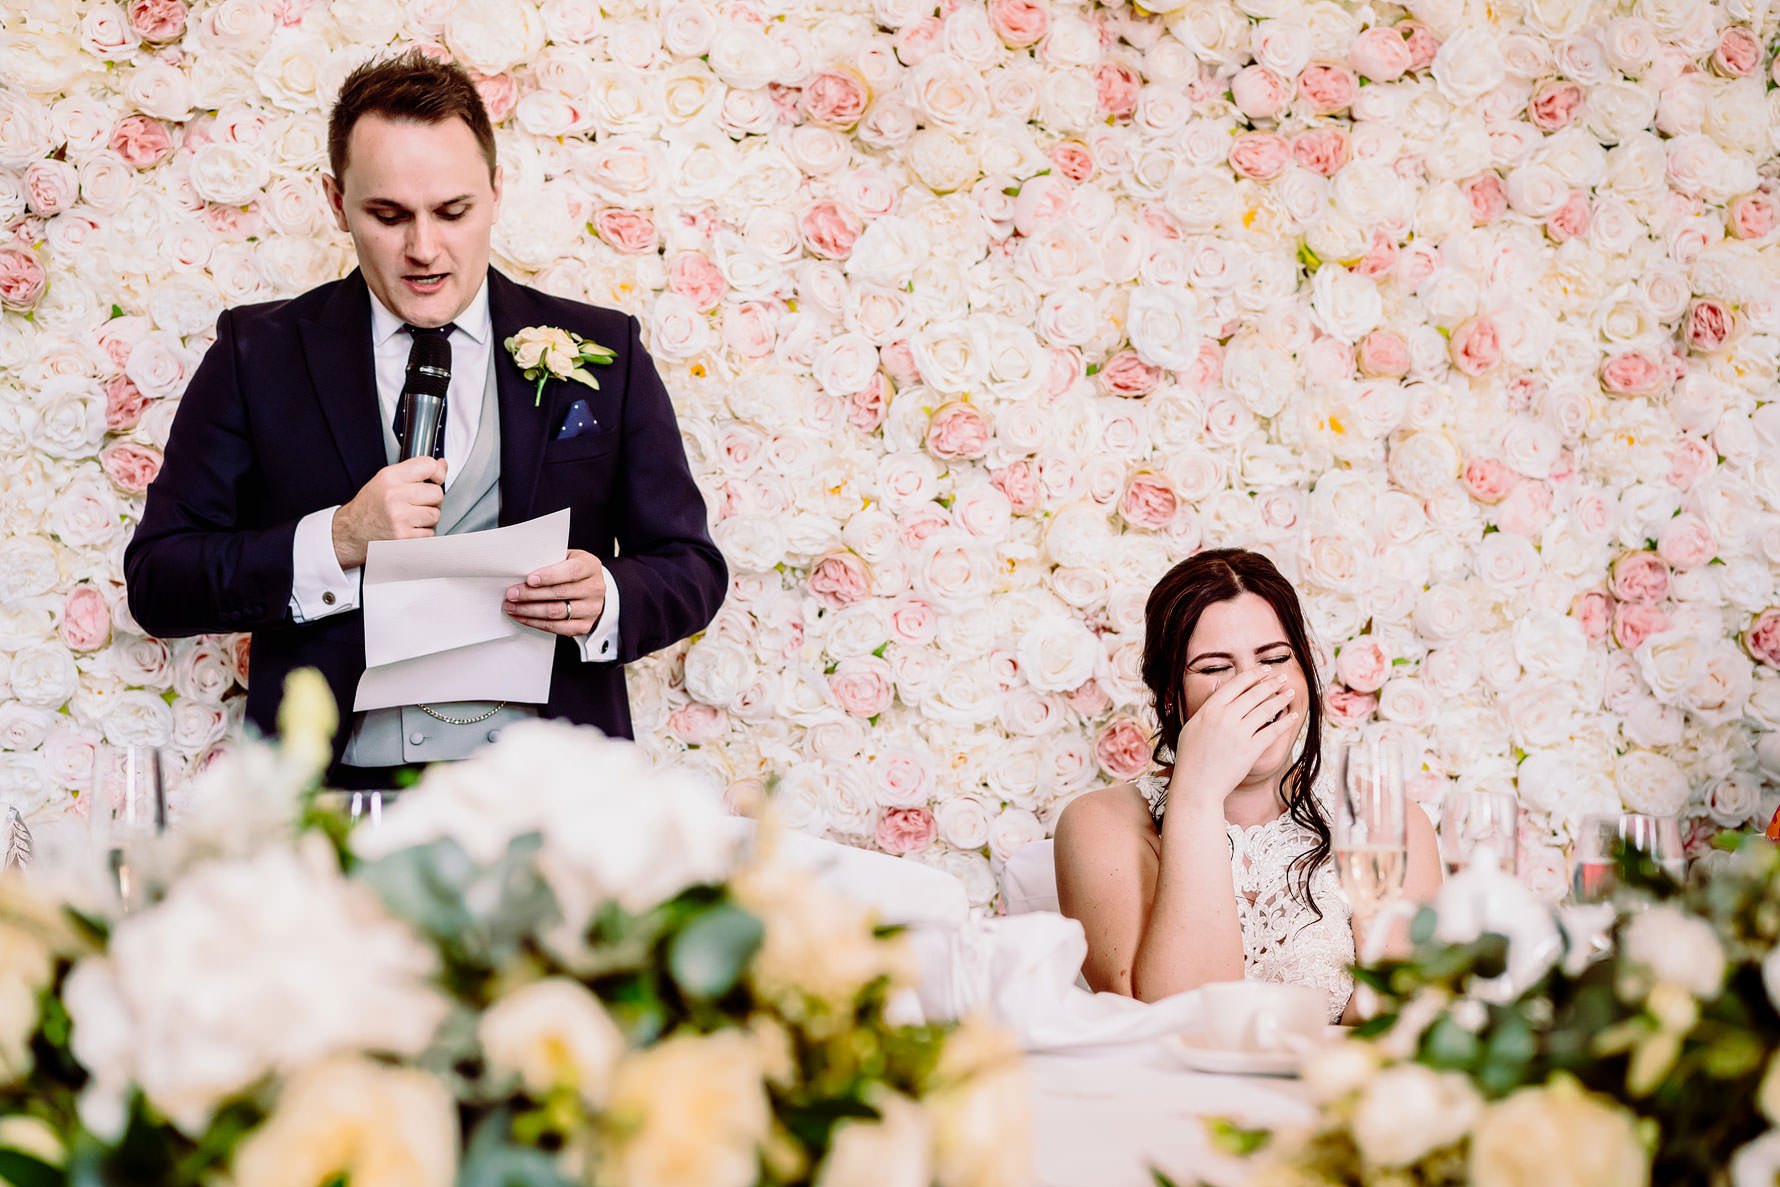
600 645
319 586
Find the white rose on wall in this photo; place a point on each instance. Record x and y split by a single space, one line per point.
1650 782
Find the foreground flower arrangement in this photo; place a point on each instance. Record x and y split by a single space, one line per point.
1647 1052
551 964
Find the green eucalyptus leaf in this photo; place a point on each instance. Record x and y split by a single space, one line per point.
710 954
425 886
24 1170
492 1160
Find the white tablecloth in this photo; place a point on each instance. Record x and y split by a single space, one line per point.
1105 1121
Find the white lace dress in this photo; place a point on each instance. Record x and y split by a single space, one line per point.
1282 938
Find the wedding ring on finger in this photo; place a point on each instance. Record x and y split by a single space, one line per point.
568 611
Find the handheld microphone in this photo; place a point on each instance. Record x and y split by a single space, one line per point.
420 412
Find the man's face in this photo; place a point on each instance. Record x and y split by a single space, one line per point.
419 204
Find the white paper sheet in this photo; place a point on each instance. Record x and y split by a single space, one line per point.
434 630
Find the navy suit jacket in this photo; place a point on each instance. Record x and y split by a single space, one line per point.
281 419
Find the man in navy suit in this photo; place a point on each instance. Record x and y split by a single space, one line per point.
279 468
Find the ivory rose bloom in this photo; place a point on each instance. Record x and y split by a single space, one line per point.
553 1034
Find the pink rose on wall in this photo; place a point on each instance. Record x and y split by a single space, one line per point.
1708 326
1328 88
1634 622
1088 699
1488 480
1017 481
1019 23
1751 216
1115 89
835 99
50 187
1127 375
1569 220
156 21
131 466
1072 159
142 142
1380 54
698 724
865 407
958 430
1345 706
1149 502
1123 748
86 619
898 359
914 621
829 229
1362 665
840 579
240 655
694 277
1383 353
862 685
1489 201
1763 637
1207 368
1690 460
22 279
1323 151
124 403
499 94
1633 373
1593 612
1475 346
1640 577
1554 104
1422 43
1260 155
1686 542
628 231
1381 260
1259 93
1738 54
906 830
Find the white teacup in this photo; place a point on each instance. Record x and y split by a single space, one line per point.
1262 1016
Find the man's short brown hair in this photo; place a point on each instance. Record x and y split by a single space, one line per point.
411 87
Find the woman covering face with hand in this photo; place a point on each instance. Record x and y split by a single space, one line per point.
1216 866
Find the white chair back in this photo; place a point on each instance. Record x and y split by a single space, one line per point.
1029 883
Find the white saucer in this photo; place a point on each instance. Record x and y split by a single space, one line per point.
1197 1054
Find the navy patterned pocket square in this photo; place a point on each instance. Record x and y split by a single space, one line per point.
576 421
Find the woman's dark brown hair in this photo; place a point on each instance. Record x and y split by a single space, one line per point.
412 87
1173 611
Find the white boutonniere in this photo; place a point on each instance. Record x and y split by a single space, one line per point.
545 352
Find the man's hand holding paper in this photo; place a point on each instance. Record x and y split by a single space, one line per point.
565 598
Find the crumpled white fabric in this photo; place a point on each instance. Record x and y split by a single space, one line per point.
1021 970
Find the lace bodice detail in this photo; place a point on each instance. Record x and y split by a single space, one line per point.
1282 938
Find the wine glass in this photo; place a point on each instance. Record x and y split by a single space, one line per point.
1371 841
129 806
1658 837
1478 825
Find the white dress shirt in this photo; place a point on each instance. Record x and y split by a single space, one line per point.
319 586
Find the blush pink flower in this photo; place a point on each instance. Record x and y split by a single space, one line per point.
958 430
1526 509
898 360
1345 706
1115 89
905 830
1149 502
1323 151
499 94
1690 459
1328 360
1639 577
156 21
862 685
914 621
1738 54
1363 665
131 466
1328 88
840 579
1122 748
1383 353
1634 622
918 523
1751 216
1475 346
835 99
750 329
1063 366
1593 612
1207 367
142 142
1686 542
1633 373
1708 326
1019 23
1421 42
629 231
1017 481
1569 220
694 277
124 403
1072 159
86 619
915 41
239 649
22 279
1762 639
1260 155
1554 104
1259 93
50 187
866 407
1127 375
698 724
1380 54
1488 480
1380 258
829 229
1088 699
1489 201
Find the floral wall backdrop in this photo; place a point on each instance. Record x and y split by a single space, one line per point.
978 317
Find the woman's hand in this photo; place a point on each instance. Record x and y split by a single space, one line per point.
1221 742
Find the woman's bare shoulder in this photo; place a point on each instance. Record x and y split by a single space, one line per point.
1118 808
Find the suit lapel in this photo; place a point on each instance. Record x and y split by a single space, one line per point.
337 347
523 423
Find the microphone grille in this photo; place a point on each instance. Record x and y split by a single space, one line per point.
429 364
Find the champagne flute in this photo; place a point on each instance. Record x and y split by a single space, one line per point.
129 806
1371 840
1598 837
1478 825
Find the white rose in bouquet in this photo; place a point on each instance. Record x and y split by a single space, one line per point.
1408 1111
